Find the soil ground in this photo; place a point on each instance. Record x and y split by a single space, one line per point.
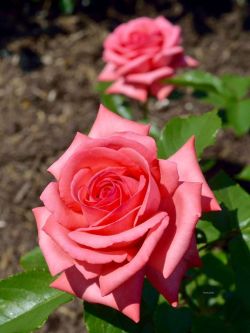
47 93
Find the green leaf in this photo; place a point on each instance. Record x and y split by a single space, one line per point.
102 319
235 218
210 231
33 260
178 130
26 301
168 319
238 115
67 6
199 80
117 104
237 85
244 174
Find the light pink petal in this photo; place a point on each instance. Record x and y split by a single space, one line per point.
172 33
149 77
167 56
64 215
169 287
169 175
113 57
122 239
108 73
191 62
189 171
175 242
89 271
60 235
137 92
56 168
115 278
160 90
138 65
108 123
57 260
125 299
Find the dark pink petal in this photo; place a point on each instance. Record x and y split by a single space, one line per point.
108 123
56 168
169 287
126 298
56 258
115 278
175 242
189 171
160 90
149 77
138 92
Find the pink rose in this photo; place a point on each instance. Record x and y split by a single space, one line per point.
139 54
116 214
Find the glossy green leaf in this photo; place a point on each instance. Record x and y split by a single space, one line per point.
198 80
178 130
26 301
33 260
210 231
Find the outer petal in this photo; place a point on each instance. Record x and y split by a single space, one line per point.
189 171
108 123
52 201
176 240
122 239
169 287
138 65
161 91
60 235
108 73
138 92
149 77
56 258
115 278
126 298
169 175
57 166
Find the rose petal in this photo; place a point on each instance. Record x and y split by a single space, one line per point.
60 235
108 73
169 175
125 238
175 242
56 168
115 278
138 65
149 77
126 299
52 201
169 287
133 91
108 123
189 171
57 260
161 90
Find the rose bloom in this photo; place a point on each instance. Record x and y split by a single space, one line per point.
116 214
139 54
